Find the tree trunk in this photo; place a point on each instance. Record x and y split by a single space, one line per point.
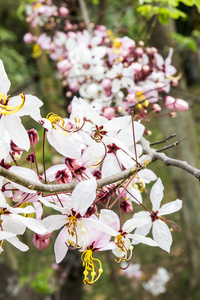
187 187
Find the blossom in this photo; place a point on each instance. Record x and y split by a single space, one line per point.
123 249
72 218
11 109
161 232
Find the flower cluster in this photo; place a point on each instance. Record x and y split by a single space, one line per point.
157 284
91 147
112 73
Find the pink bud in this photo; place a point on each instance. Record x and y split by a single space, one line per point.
41 242
63 11
139 51
145 68
156 107
173 114
147 132
126 206
130 98
176 104
33 136
109 113
106 83
64 65
68 25
28 38
181 105
136 67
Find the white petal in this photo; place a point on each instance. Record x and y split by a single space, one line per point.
126 134
84 195
141 239
100 226
156 194
171 207
162 235
60 247
17 132
131 224
4 81
110 165
65 145
26 174
32 224
117 123
5 235
16 243
109 217
54 222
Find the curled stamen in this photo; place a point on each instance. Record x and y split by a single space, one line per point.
6 109
91 269
72 223
57 121
124 246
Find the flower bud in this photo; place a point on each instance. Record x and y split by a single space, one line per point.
156 107
33 136
63 11
173 114
126 206
147 132
109 113
41 242
28 38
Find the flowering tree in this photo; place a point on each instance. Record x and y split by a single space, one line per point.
104 157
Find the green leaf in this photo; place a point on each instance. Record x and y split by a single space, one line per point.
185 42
163 17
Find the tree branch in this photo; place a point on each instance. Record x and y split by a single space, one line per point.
167 160
51 188
85 14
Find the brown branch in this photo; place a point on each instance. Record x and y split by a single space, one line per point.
154 155
52 188
85 15
56 188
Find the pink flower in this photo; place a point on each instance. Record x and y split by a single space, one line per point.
176 104
63 11
28 38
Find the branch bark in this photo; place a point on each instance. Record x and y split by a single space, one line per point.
153 155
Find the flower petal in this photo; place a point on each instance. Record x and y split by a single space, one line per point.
156 194
171 207
162 235
84 195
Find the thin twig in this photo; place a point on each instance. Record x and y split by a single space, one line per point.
170 146
164 140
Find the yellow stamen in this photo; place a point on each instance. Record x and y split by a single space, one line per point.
120 241
117 45
59 124
37 51
23 205
93 267
6 109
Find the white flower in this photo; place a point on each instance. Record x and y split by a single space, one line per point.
161 232
11 109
